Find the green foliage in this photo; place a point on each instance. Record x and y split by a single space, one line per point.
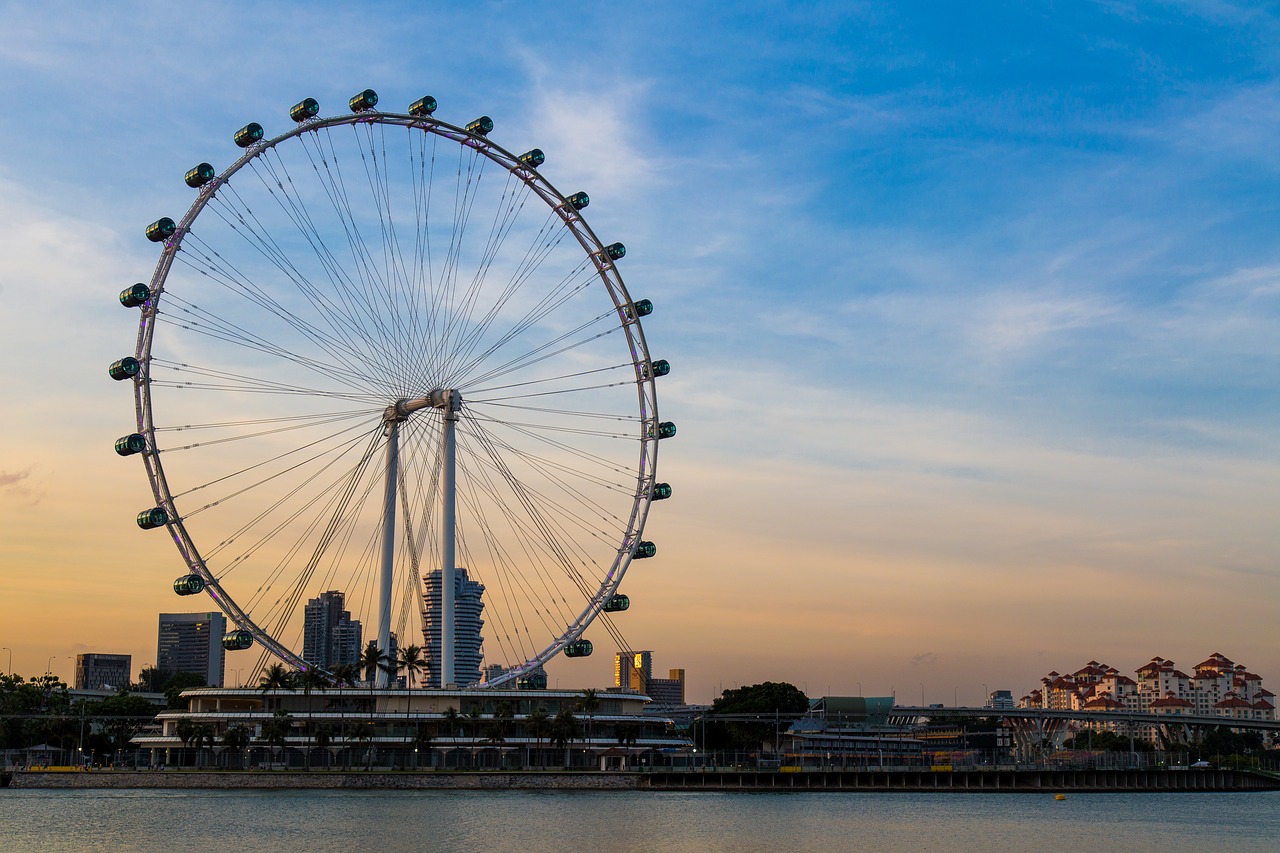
1221 741
780 699
1107 742
177 683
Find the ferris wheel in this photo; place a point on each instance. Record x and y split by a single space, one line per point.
382 355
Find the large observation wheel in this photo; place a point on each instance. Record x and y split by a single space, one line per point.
378 352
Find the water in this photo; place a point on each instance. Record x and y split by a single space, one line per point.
34 821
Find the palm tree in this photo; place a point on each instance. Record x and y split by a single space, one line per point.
345 674
564 730
310 679
275 678
275 732
422 738
236 737
451 723
186 732
473 719
536 724
373 660
202 734
588 704
412 664
321 737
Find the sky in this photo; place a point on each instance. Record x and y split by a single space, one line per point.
973 312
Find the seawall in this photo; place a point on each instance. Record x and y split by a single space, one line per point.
972 781
960 781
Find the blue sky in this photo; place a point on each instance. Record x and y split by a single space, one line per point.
973 311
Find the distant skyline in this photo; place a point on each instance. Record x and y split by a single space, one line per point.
973 313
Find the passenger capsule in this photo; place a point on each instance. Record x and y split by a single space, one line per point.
247 135
533 158
161 229
533 681
661 367
661 491
617 604
578 649
135 295
666 429
644 549
639 308
188 585
615 251
237 641
366 100
481 126
423 107
198 176
304 109
131 444
578 200
149 519
125 368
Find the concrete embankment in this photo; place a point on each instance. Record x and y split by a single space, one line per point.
960 781
356 780
974 781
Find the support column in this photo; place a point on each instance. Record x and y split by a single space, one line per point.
388 543
448 482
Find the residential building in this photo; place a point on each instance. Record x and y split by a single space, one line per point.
329 635
192 642
468 607
103 672
1219 688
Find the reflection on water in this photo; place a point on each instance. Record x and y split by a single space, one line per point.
391 821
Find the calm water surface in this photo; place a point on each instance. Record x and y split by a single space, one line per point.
390 821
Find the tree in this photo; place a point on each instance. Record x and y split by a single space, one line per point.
412 664
564 730
538 726
767 699
310 679
275 731
275 678
372 660
345 674
202 736
237 737
186 732
451 724
321 737
126 714
177 683
422 738
588 704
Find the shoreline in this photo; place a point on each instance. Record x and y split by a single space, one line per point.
914 781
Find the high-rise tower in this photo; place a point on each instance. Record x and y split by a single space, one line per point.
329 635
468 605
192 642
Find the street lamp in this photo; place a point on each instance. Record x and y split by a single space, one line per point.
8 671
48 667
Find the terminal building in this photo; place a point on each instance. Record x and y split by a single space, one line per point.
192 642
